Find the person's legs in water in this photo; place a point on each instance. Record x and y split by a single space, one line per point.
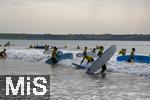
131 59
1 55
54 60
103 68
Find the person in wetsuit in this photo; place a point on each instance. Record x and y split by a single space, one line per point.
85 51
100 53
122 52
88 58
131 59
3 53
101 50
54 55
78 47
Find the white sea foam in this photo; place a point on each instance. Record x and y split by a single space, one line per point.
36 55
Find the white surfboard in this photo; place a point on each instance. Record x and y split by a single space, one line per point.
102 60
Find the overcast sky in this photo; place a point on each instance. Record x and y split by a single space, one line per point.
75 16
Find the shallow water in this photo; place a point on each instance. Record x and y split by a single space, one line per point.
122 81
67 83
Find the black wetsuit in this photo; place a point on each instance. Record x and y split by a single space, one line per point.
104 66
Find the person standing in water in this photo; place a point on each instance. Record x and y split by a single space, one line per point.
85 51
78 47
3 53
101 50
131 59
54 55
100 53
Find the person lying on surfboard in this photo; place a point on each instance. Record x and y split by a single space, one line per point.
100 53
54 55
88 58
3 53
131 59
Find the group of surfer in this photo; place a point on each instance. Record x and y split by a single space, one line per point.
123 53
86 57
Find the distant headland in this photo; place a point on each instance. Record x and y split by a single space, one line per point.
133 37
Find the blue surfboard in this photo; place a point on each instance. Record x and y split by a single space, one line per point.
79 66
39 47
60 57
137 58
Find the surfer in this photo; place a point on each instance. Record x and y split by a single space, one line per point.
85 51
30 46
100 53
46 47
94 50
78 47
88 58
131 59
122 52
65 46
3 53
54 55
101 50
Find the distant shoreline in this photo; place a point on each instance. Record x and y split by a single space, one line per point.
102 37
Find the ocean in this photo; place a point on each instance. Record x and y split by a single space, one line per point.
122 80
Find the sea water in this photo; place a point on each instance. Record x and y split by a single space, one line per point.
122 81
